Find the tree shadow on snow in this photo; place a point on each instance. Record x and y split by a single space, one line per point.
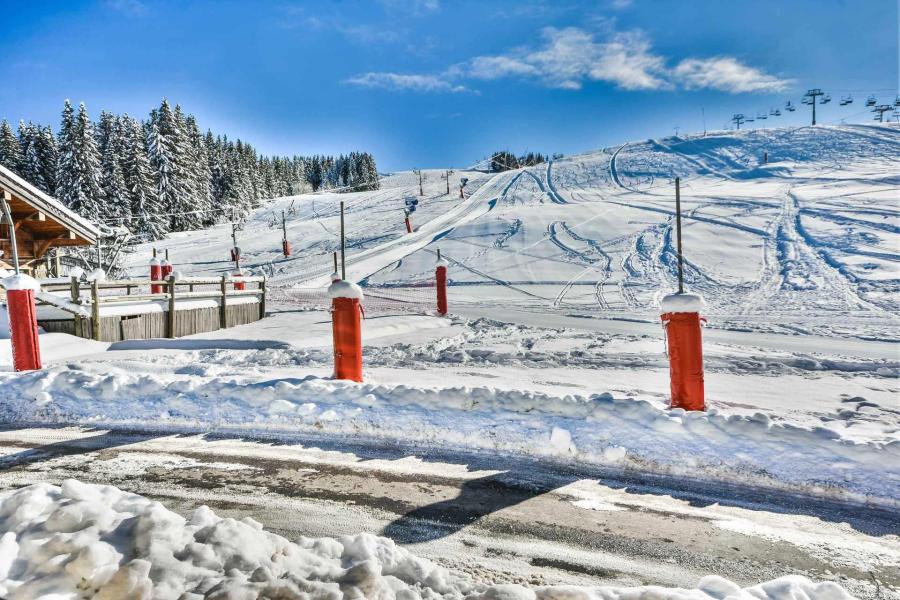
70 447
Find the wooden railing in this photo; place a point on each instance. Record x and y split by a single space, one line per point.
222 290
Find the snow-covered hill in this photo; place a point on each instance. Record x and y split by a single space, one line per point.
810 235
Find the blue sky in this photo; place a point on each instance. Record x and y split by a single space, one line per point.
432 83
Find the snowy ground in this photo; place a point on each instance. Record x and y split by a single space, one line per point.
554 351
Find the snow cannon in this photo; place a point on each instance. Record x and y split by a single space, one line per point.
155 275
681 321
23 327
286 248
346 311
238 278
440 276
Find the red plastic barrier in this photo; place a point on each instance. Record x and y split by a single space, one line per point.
347 333
685 359
408 226
440 275
24 330
286 247
155 275
239 284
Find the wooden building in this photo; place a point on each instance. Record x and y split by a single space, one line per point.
41 223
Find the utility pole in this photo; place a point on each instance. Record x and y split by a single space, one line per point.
678 231
419 173
283 226
738 119
810 98
703 115
447 175
343 246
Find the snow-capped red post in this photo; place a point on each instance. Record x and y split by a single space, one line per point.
155 274
165 266
681 320
440 276
346 310
23 327
408 223
285 244
239 279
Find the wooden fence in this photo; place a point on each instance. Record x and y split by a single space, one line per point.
207 304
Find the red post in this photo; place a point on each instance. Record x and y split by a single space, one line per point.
440 275
165 268
346 310
238 277
408 225
286 247
23 328
681 319
155 275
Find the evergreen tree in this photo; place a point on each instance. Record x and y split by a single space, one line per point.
147 220
32 168
166 147
116 200
10 149
78 165
47 153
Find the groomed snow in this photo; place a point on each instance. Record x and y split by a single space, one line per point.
93 541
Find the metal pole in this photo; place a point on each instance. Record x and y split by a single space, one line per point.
814 109
678 229
12 231
283 225
343 245
439 253
334 255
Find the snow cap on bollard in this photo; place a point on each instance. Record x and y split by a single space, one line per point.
165 268
681 320
335 277
76 272
23 328
346 298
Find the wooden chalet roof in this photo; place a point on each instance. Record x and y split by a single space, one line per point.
43 216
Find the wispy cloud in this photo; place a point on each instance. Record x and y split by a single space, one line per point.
726 74
570 57
399 82
412 7
135 8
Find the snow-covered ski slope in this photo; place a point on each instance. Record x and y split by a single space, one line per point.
808 241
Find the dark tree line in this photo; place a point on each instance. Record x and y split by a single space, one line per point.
505 160
162 174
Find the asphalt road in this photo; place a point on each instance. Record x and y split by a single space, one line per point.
496 519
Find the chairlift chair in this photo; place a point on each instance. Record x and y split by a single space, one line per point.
897 101
825 99
871 101
762 116
789 107
845 100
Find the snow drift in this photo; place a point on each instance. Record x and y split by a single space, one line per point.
93 541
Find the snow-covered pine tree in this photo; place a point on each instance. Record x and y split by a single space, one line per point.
147 220
78 165
32 168
47 151
198 167
164 148
10 148
116 201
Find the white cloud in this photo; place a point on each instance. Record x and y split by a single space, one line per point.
568 58
572 55
726 74
413 7
400 82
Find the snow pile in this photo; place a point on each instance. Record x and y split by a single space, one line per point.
621 432
20 282
681 302
92 541
345 289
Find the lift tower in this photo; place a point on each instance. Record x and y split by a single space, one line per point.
810 98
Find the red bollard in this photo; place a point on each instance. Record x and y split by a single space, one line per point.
286 247
165 268
681 320
346 309
238 277
26 349
440 275
155 275
408 226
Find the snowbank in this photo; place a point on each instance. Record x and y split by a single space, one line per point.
93 541
623 433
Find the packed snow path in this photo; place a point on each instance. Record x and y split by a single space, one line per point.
486 521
